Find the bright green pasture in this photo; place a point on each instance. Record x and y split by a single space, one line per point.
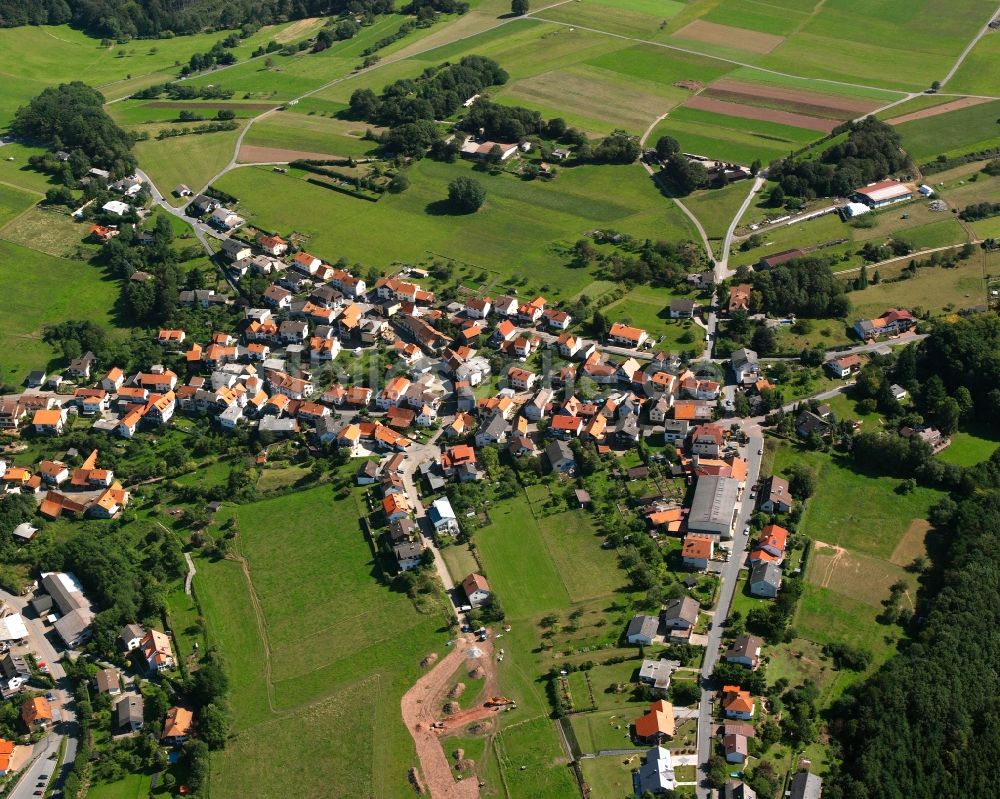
862 513
315 134
45 291
957 132
33 57
520 232
527 586
732 138
340 650
192 160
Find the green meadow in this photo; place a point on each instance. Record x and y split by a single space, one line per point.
955 133
521 232
45 291
192 160
34 57
318 651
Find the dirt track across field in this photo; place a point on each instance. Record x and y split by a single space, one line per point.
253 154
420 707
703 103
933 111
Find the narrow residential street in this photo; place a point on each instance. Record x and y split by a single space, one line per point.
729 575
418 454
44 646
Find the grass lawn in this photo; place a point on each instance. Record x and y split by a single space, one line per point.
732 138
974 74
192 160
831 238
459 560
715 208
45 291
825 616
341 649
610 777
38 56
607 729
521 232
527 586
972 445
134 786
532 761
17 173
934 289
14 201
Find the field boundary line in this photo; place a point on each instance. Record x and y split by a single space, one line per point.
690 51
261 627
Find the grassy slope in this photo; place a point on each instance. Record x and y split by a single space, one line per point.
32 58
343 650
45 290
192 160
957 132
517 232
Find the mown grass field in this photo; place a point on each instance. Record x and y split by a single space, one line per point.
520 233
533 762
715 209
935 289
970 446
51 231
827 236
975 76
44 290
15 172
192 160
34 57
341 649
731 138
13 202
317 134
134 786
955 133
528 587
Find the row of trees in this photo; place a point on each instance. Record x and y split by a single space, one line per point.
153 19
436 94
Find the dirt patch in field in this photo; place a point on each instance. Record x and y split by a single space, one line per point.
825 104
911 545
457 691
933 111
430 660
859 577
299 29
418 709
690 85
193 106
254 154
728 36
702 103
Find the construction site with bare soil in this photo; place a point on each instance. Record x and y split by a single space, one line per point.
432 712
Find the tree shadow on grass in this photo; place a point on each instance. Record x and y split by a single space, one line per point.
445 208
